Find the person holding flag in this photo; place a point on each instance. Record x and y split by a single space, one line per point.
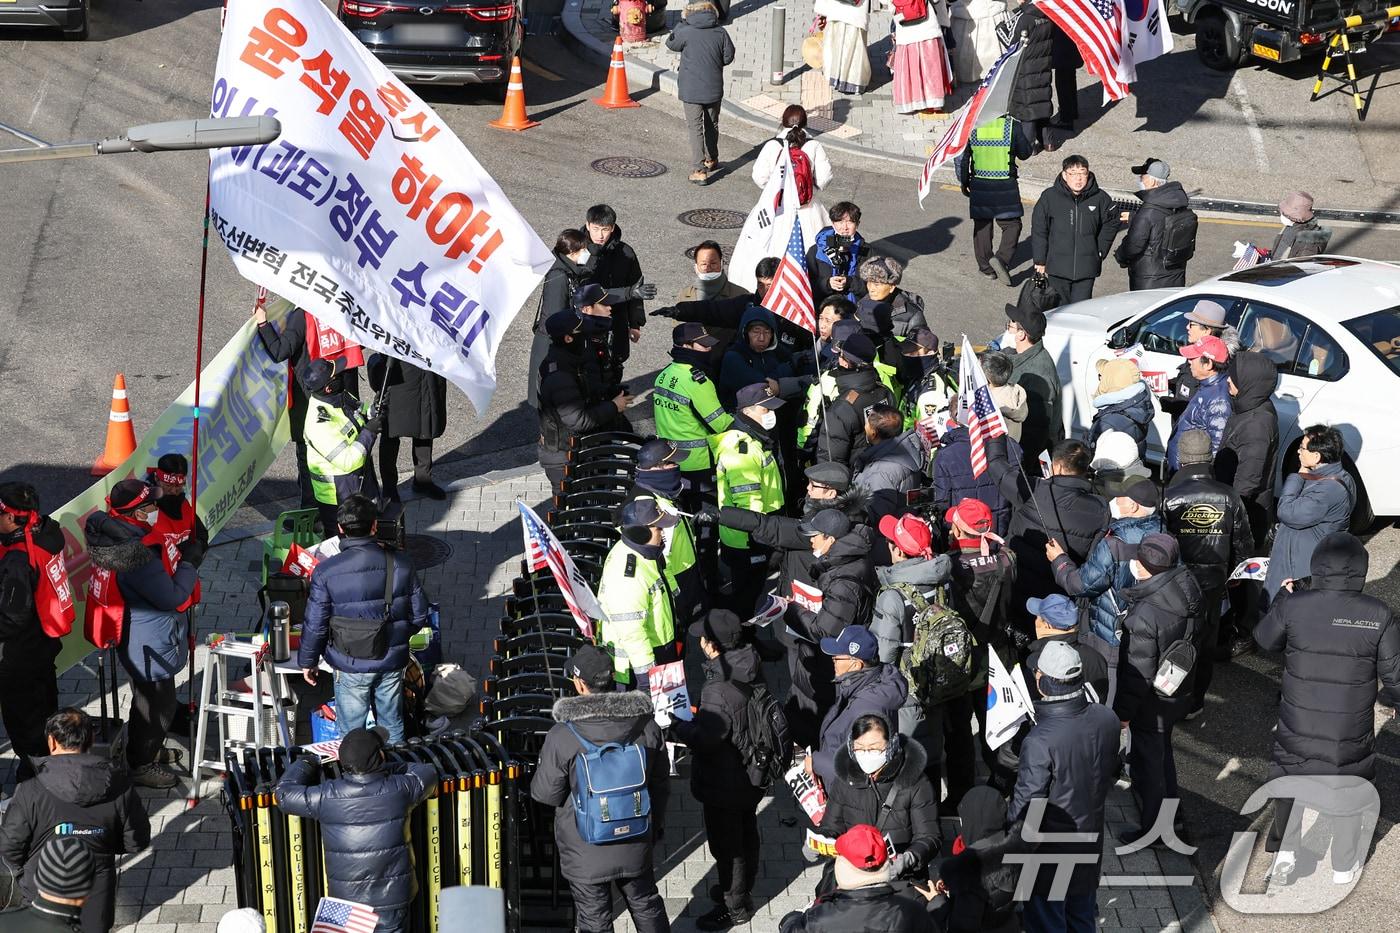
999 92
975 410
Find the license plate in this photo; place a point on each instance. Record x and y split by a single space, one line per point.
1263 51
429 33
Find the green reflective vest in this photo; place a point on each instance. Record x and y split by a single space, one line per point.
688 413
747 477
636 596
989 155
820 393
332 448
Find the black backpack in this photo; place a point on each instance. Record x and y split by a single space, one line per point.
764 740
1178 238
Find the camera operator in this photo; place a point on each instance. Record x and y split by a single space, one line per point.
833 259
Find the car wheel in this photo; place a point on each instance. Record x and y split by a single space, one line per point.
79 34
1218 43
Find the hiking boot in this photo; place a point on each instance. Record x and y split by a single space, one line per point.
153 775
1284 865
722 918
711 165
169 755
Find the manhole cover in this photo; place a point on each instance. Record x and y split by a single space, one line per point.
629 167
426 550
713 218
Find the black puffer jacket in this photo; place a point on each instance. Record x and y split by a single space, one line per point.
1095 665
1209 521
616 266
18 618
717 774
842 434
1141 250
1162 609
1072 233
1031 94
887 908
910 820
980 886
1336 643
899 315
600 717
846 579
572 398
1248 455
362 820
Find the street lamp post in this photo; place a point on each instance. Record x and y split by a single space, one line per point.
172 136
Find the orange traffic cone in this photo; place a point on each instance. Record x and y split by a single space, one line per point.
615 94
513 116
121 436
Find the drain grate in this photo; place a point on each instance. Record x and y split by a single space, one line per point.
629 167
426 550
713 218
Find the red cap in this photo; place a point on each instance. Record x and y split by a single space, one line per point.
862 846
973 514
910 534
1212 348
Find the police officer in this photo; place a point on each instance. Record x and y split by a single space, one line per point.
748 475
928 384
659 477
858 388
571 392
339 433
687 408
636 595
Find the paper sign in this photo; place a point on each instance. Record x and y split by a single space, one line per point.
822 845
808 792
668 691
807 596
300 562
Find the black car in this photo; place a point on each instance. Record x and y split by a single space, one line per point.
70 16
440 41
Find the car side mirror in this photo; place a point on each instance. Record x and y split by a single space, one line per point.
1120 339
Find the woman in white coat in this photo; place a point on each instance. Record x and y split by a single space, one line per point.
922 73
845 57
974 31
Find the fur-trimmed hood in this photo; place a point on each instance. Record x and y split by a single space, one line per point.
116 545
595 707
912 760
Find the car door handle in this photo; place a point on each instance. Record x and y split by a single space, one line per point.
1290 393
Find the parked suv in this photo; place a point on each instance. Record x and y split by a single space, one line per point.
440 41
70 16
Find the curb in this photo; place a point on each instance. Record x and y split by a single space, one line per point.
577 37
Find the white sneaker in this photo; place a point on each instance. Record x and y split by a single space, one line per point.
1348 876
1282 870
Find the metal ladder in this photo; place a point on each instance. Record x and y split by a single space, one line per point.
217 698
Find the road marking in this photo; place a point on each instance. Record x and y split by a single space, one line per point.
541 71
1256 137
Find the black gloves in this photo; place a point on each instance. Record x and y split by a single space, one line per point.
668 311
193 551
707 516
996 448
643 289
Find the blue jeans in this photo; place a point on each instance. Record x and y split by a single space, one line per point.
354 693
1075 914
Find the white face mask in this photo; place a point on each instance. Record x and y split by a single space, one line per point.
1114 509
580 258
1008 340
1138 571
871 761
709 276
153 517
768 420
1285 221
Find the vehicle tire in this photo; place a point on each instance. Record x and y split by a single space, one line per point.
79 34
1218 45
496 93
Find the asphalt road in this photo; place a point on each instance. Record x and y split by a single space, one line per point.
101 275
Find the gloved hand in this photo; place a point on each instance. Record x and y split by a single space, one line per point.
643 289
662 718
192 550
996 447
668 311
375 424
707 516
905 862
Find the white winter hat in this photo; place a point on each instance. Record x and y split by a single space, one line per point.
243 920
1114 451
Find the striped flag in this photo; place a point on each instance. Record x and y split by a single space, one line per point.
790 295
336 916
543 550
988 102
1096 26
1246 255
976 410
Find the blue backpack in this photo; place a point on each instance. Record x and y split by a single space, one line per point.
611 800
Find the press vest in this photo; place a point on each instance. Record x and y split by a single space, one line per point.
688 413
747 477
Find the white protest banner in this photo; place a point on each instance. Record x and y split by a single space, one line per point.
1007 706
668 691
368 211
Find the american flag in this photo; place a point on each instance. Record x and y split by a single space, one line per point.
987 103
543 550
336 916
976 409
1249 256
1096 26
790 295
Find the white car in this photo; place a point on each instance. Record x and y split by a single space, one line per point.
1331 323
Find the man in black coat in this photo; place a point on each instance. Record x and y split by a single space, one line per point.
1141 251
841 434
414 405
1164 607
1248 455
1072 230
572 392
719 778
1337 642
361 816
1210 524
63 879
600 714
1031 99
866 898
86 792
616 267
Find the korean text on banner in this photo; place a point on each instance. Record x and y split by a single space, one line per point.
243 425
668 691
368 211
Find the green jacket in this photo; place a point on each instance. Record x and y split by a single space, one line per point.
636 595
337 443
687 410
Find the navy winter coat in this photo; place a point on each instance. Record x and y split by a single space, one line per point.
1128 410
878 689
1208 410
705 49
351 584
1105 574
953 480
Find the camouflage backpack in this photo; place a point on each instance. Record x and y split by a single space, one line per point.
939 659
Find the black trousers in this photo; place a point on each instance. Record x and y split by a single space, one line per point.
28 693
982 241
153 706
1152 767
593 905
742 575
734 843
1067 93
1205 652
951 739
389 462
1072 289
308 496
553 463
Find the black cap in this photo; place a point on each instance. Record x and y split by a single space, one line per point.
721 627
1143 492
830 473
1031 320
1158 552
691 332
921 338
827 522
130 494
644 512
360 750
656 452
756 394
592 665
592 294
561 323
316 375
858 348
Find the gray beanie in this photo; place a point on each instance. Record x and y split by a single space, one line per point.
65 868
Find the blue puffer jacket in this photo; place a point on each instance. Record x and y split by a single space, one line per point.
362 825
1105 574
1128 410
351 584
152 645
744 366
1208 409
953 480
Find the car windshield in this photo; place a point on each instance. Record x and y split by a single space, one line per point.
1381 332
